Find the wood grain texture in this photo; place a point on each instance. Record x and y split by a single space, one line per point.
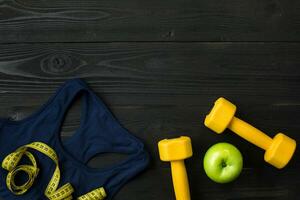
133 20
163 90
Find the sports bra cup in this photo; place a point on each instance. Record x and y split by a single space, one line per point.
98 132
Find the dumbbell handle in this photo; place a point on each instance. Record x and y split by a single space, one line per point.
250 133
180 180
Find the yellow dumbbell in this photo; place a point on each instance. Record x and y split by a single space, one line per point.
279 150
175 151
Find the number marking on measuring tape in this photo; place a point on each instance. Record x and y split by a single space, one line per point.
52 192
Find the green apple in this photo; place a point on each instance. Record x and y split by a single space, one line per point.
223 162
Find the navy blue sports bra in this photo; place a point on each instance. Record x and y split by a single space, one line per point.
99 132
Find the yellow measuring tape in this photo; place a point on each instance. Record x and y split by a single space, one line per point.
10 163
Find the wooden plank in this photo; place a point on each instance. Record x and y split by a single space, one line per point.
133 20
160 90
253 71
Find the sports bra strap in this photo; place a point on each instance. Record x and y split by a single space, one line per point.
67 93
66 96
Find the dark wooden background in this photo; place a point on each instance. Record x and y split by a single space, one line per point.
159 65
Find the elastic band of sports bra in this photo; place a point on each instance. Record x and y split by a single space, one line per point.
52 192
